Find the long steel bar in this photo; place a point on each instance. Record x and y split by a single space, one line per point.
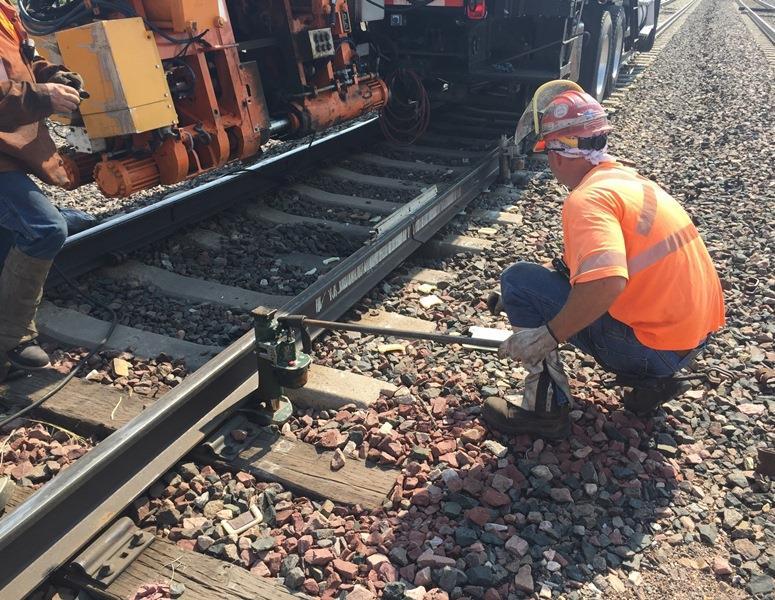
765 27
92 248
439 338
61 518
674 18
766 5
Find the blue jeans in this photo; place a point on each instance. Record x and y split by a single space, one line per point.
532 296
28 219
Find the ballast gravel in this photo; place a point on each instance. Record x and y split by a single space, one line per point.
670 506
144 307
666 507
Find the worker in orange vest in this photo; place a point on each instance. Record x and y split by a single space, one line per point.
636 290
32 231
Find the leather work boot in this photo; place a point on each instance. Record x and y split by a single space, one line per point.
28 355
644 396
494 304
21 290
10 373
537 411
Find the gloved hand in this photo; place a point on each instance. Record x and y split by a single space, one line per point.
531 346
70 78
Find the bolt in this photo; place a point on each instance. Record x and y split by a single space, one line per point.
105 570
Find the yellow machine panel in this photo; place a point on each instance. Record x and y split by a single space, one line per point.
183 15
122 71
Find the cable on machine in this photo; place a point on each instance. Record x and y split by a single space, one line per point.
407 114
43 17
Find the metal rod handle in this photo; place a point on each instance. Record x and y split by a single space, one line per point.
302 321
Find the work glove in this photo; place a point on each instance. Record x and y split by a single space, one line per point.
74 80
531 346
546 386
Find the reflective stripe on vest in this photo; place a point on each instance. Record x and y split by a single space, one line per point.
648 212
608 258
646 219
661 249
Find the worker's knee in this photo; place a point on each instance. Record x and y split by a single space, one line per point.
524 277
531 294
46 239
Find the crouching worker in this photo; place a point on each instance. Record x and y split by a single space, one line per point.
639 292
32 231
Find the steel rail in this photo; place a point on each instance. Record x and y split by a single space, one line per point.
661 29
674 18
765 27
73 508
98 245
766 5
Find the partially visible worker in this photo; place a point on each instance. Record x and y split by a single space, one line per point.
32 231
639 293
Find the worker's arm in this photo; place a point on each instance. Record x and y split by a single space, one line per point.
22 102
586 303
43 70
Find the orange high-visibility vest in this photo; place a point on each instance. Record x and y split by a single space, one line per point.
617 223
9 23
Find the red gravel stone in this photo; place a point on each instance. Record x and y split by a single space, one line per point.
311 587
721 567
260 569
444 447
244 478
318 556
421 497
439 406
346 569
387 572
493 497
331 439
423 577
473 435
479 515
186 544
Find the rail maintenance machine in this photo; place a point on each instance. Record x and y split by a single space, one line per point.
175 88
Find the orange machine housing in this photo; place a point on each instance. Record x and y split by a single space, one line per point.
222 112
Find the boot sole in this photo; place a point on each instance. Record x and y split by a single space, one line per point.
24 367
648 411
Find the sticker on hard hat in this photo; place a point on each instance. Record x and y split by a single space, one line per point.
561 110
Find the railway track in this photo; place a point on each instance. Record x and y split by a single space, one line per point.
761 21
145 442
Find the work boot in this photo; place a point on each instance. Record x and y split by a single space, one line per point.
28 356
538 410
646 395
494 304
10 373
21 290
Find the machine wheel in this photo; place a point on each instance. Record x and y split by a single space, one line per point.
617 47
596 56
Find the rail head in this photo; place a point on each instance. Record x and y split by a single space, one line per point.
767 29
